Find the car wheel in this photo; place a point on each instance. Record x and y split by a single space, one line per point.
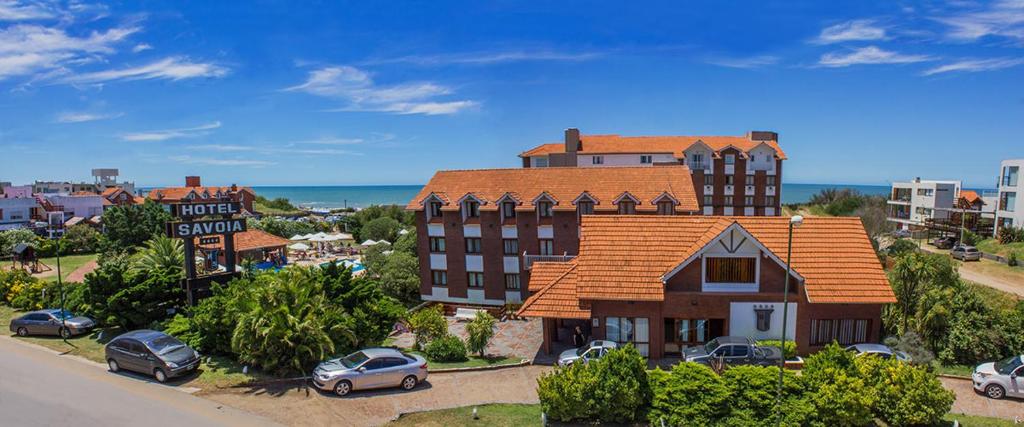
22 332
409 383
112 364
160 375
342 388
995 391
64 332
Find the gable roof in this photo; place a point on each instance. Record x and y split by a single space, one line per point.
557 299
610 144
252 239
544 272
563 185
171 194
971 196
626 257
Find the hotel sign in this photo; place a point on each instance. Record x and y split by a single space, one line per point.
191 210
190 229
219 224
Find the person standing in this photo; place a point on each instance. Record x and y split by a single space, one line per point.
578 339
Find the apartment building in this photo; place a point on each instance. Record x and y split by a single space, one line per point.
665 284
480 231
731 175
1010 204
915 202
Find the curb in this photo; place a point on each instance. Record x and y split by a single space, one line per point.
955 377
522 363
267 382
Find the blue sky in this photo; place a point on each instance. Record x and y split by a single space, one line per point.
368 93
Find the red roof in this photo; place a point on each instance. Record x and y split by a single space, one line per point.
174 194
556 299
253 239
971 196
675 145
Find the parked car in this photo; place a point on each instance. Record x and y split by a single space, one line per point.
944 242
901 233
1000 379
370 368
151 353
591 351
879 350
733 351
51 322
966 253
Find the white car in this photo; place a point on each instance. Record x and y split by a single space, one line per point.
1000 379
883 351
591 351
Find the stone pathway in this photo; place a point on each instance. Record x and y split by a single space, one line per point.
520 338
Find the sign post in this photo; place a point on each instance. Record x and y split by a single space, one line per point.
210 223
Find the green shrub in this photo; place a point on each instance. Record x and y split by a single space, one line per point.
821 367
690 394
1012 259
1009 235
613 389
427 324
907 394
567 393
901 247
480 331
844 400
753 394
789 350
448 348
971 238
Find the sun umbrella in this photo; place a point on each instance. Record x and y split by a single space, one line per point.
369 242
299 237
299 247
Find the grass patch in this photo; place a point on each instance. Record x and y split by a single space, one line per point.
993 246
995 298
958 370
68 264
267 210
473 362
500 414
995 269
975 421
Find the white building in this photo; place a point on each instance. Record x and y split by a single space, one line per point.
914 202
1010 209
16 212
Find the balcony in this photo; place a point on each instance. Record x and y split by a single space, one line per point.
696 166
528 260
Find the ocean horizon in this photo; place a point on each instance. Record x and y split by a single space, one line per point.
361 196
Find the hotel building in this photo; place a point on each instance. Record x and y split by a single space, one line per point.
195 192
1010 205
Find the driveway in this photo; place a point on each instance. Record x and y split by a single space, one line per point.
969 402
305 405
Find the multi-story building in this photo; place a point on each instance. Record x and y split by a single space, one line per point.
480 231
18 212
665 284
732 175
194 191
917 201
1010 205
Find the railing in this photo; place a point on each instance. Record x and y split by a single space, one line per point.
699 165
905 199
528 260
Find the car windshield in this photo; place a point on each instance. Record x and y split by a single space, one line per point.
164 344
1007 365
354 359
711 346
60 315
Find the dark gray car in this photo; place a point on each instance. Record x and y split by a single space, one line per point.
51 322
151 353
733 350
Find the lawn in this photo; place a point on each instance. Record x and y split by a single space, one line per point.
993 246
488 415
68 264
975 421
957 370
472 362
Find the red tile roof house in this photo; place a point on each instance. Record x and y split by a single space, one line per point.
479 231
194 191
665 283
732 175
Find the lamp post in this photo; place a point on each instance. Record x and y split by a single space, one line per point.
794 222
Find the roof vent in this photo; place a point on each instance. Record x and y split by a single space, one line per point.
572 140
762 135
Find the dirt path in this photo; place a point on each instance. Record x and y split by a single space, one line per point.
79 274
971 403
302 405
968 273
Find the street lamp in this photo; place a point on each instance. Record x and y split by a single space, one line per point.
794 222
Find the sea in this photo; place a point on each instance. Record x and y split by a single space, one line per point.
361 196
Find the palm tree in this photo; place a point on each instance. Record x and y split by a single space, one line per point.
161 252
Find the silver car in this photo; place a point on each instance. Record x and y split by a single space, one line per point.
965 253
883 351
592 350
1000 379
51 322
370 368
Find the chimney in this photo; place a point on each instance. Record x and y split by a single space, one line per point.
762 135
572 140
192 181
234 188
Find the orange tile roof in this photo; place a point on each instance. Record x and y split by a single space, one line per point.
557 299
171 194
252 239
543 273
110 191
83 194
564 185
625 257
970 196
600 144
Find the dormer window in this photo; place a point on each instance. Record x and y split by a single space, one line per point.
666 207
471 208
585 207
508 210
435 209
627 207
544 209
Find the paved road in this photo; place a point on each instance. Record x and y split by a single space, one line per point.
969 402
40 388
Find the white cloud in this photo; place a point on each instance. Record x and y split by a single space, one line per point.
750 62
488 58
358 89
163 135
858 29
79 117
1002 18
219 162
975 65
34 49
12 10
869 55
172 68
141 47
331 140
290 149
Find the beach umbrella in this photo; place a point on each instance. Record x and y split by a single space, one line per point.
368 242
384 242
299 237
299 247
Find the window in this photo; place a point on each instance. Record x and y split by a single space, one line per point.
730 270
646 159
748 200
544 209
926 192
511 246
728 200
627 207
435 209
771 180
439 277
475 279
843 331
1007 201
753 157
585 207
1010 175
472 245
547 246
508 210
666 207
730 180
709 179
708 200
730 159
698 159
749 180
769 200
437 245
597 160
471 208
540 162
512 282
633 330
